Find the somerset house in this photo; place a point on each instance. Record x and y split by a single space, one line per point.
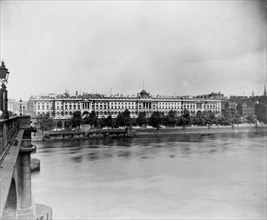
62 106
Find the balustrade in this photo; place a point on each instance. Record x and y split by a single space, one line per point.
8 128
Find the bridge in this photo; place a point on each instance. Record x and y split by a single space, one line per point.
15 172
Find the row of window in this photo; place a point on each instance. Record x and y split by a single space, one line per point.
106 113
69 107
130 106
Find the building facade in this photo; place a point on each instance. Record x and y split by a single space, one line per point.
246 109
213 95
64 106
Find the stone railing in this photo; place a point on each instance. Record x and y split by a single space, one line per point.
8 128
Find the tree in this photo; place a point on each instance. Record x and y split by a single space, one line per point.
199 119
101 122
134 121
208 117
120 120
123 118
109 121
251 119
184 120
170 119
91 119
141 119
156 119
45 122
76 119
127 118
263 99
228 117
261 112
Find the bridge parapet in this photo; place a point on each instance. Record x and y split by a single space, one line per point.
9 127
15 171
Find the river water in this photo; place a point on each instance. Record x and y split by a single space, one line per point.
171 176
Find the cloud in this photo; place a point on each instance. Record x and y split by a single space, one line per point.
188 47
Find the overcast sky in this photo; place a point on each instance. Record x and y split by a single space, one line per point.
176 47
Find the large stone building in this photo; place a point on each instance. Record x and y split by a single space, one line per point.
246 109
213 95
62 106
230 105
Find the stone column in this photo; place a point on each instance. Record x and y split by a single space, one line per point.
26 210
25 160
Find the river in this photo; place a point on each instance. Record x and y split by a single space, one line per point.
166 176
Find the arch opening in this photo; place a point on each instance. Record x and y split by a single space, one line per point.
59 124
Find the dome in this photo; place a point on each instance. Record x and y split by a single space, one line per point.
144 93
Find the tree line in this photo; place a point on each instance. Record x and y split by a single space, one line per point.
157 119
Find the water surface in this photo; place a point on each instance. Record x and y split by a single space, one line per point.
171 176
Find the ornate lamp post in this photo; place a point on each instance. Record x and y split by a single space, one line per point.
20 107
3 91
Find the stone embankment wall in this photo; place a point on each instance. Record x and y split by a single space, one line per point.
198 130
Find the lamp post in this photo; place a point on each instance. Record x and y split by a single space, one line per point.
20 107
3 91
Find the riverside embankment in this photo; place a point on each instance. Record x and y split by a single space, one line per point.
205 130
137 132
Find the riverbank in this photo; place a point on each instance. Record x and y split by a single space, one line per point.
199 130
202 130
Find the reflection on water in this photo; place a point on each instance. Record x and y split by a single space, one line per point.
184 176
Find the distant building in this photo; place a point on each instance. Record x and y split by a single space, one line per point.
63 106
213 95
246 109
13 106
230 105
31 106
238 99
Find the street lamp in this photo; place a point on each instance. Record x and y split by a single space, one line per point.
20 107
3 91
